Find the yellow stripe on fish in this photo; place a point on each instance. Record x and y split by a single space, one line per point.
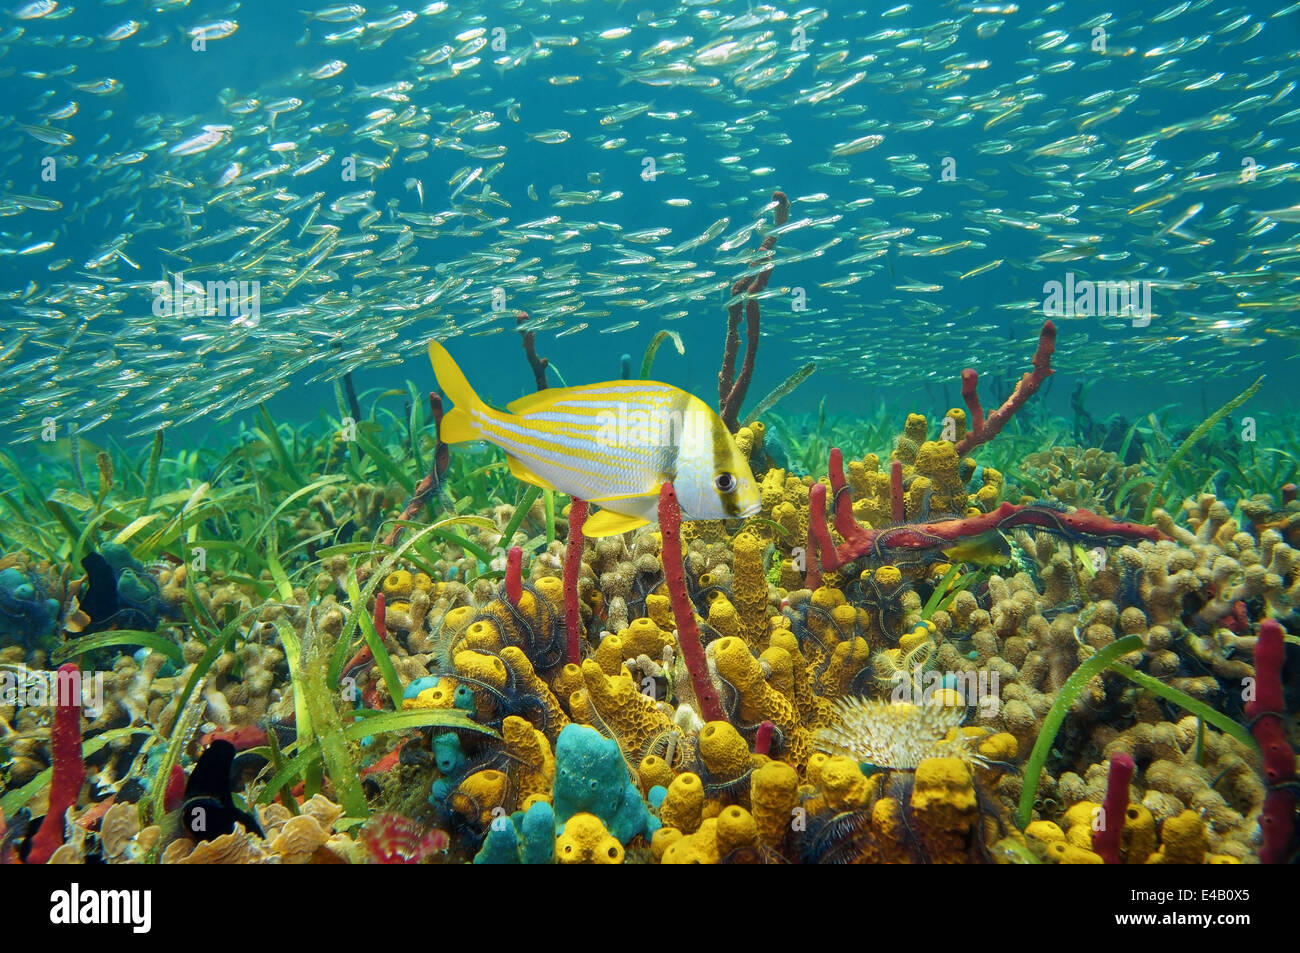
613 444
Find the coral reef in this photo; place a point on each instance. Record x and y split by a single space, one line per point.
883 666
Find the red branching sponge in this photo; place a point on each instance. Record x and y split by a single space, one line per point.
820 545
69 772
514 575
842 499
732 387
572 566
981 430
1106 838
381 615
763 740
860 542
1266 711
688 633
896 511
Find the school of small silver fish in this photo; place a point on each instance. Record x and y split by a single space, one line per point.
606 167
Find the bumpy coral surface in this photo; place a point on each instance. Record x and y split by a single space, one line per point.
882 709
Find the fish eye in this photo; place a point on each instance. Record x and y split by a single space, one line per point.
725 482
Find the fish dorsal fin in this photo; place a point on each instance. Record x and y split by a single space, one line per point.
609 523
519 470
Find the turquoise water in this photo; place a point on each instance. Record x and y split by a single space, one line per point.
1017 145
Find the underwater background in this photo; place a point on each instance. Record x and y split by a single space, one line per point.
994 303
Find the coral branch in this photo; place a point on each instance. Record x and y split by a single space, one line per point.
813 548
688 633
69 771
981 430
538 364
845 524
431 482
1267 712
1106 838
1079 525
572 566
819 536
732 387
970 381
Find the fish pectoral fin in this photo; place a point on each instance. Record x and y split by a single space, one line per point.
519 470
609 523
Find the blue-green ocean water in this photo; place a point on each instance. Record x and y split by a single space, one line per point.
1051 145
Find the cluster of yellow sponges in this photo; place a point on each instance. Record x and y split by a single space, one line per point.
1183 839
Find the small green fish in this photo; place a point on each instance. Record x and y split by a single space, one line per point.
986 549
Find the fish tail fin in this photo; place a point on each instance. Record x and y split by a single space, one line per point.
458 424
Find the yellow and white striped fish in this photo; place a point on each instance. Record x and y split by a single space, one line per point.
612 444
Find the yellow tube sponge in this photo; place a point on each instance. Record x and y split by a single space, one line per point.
479 795
1138 839
566 681
633 718
442 695
814 711
684 806
661 840
723 751
773 796
759 701
659 609
1183 840
609 655
1062 852
843 785
488 669
644 637
749 589
528 681
587 841
937 460
397 585
654 770
944 809
456 619
534 762
847 662
723 616
698 848
736 829
1045 832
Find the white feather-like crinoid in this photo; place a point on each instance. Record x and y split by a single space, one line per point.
897 735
